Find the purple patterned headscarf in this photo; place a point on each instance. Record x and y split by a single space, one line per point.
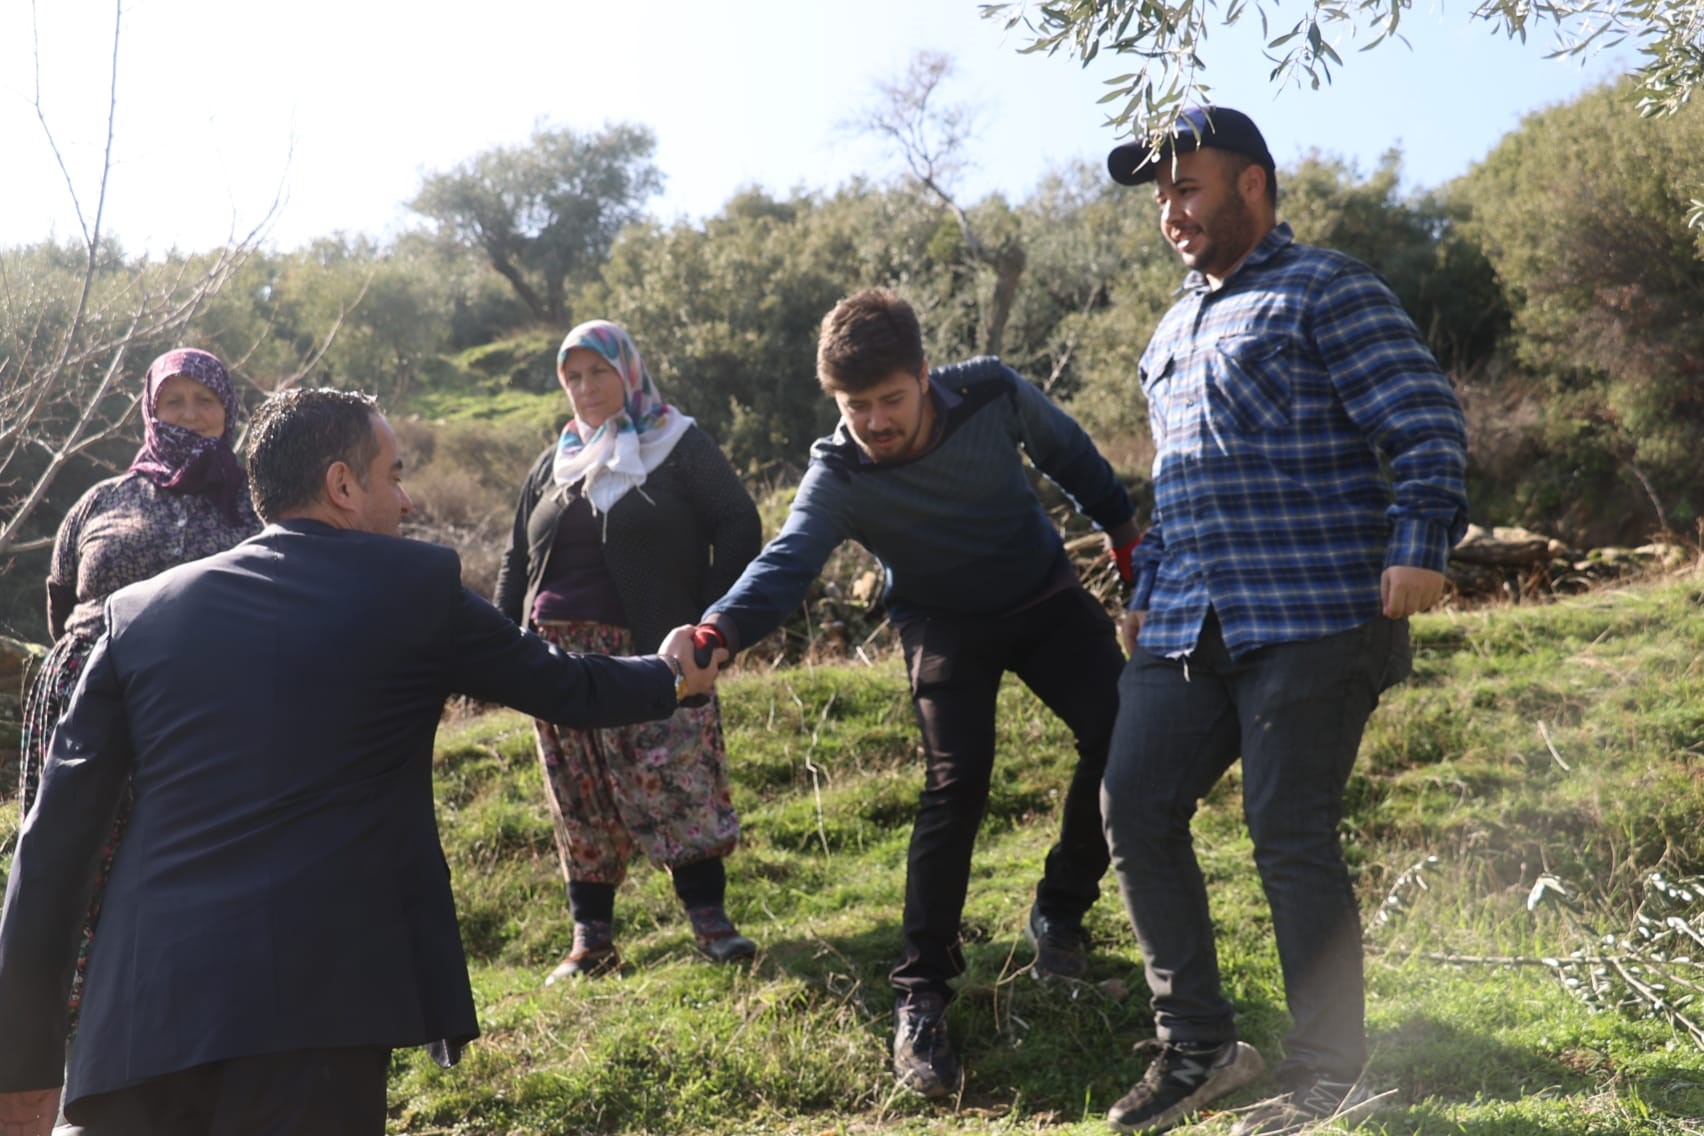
177 458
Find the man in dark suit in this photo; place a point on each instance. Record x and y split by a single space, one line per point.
279 914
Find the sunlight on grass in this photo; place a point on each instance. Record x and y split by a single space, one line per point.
1566 738
1563 738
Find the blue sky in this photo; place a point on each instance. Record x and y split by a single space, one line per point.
345 105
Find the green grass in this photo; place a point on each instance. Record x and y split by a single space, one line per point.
492 402
1456 764
509 380
826 771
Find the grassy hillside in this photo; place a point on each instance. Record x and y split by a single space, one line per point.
1564 739
1466 763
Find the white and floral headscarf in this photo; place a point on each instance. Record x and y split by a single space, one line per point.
619 454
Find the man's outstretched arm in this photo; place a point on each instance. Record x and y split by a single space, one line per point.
775 584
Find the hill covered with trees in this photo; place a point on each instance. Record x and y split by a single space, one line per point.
1557 281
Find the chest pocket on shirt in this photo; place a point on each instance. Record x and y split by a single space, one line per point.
1248 387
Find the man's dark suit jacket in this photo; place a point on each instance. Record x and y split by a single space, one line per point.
281 885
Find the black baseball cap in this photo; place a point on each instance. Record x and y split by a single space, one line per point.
1134 163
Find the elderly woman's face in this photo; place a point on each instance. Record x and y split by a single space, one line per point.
182 401
594 386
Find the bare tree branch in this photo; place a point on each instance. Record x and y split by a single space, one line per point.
931 138
68 347
313 359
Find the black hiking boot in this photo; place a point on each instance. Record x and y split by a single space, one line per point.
1061 948
923 1059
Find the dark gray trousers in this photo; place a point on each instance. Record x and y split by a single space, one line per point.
1294 714
299 1092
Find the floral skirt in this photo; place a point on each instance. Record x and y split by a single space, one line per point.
657 788
49 693
48 698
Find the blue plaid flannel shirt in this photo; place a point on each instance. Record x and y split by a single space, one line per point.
1274 401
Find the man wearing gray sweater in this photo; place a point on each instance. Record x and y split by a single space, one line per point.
926 471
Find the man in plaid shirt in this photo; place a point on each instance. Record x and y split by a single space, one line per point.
1269 608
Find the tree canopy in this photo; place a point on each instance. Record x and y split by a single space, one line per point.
1582 214
544 214
1556 281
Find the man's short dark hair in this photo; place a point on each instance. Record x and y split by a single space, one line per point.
1236 163
297 435
865 339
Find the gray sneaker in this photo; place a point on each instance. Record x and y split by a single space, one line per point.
923 1058
1181 1081
1061 948
1318 1100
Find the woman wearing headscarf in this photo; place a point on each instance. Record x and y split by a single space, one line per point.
184 497
632 523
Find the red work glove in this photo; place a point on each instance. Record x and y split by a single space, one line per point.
706 637
1122 559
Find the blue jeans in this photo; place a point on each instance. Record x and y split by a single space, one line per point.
1293 713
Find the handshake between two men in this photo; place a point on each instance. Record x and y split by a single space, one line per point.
698 655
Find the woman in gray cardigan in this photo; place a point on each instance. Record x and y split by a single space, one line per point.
631 524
